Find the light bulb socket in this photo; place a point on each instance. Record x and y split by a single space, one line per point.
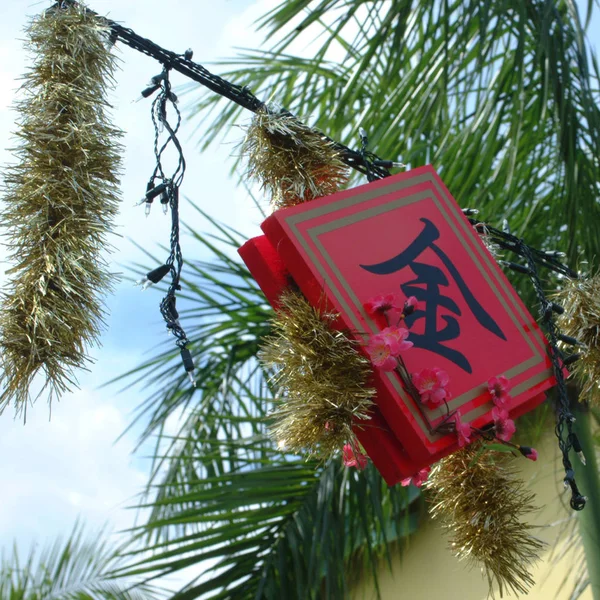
187 360
146 93
569 360
157 274
156 191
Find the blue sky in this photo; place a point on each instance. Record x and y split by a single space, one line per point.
53 471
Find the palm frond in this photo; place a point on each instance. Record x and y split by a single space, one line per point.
222 496
75 568
501 97
273 526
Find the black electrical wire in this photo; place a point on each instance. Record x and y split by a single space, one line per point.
567 439
242 96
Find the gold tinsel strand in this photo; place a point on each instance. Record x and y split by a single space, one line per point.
581 320
293 163
482 504
321 376
60 201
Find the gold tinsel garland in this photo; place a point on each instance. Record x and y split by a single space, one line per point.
482 504
60 201
581 320
322 378
293 163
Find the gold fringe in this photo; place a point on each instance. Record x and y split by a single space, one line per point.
482 505
293 163
60 202
322 377
581 320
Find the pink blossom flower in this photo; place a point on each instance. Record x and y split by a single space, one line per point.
411 301
395 338
380 304
498 387
463 430
410 304
431 385
353 458
530 453
381 355
417 480
505 427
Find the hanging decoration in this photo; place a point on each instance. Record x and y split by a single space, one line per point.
293 162
453 324
60 201
444 395
484 506
580 325
396 339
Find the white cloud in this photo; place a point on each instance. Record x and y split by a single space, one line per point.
54 470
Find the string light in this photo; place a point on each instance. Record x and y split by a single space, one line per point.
167 189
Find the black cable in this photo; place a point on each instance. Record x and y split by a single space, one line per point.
242 96
567 439
564 415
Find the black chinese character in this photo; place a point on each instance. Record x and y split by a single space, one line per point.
433 278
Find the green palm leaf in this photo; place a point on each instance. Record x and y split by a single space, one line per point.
75 568
499 96
275 527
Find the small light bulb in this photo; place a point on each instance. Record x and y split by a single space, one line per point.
145 283
555 253
190 375
148 208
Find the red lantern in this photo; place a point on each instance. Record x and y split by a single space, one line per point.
406 235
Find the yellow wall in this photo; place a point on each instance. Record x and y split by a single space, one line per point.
428 571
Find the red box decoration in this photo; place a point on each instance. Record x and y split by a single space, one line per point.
406 235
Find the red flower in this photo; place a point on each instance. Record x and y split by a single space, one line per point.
417 480
498 387
395 338
381 355
353 458
431 385
530 453
463 430
505 427
380 304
